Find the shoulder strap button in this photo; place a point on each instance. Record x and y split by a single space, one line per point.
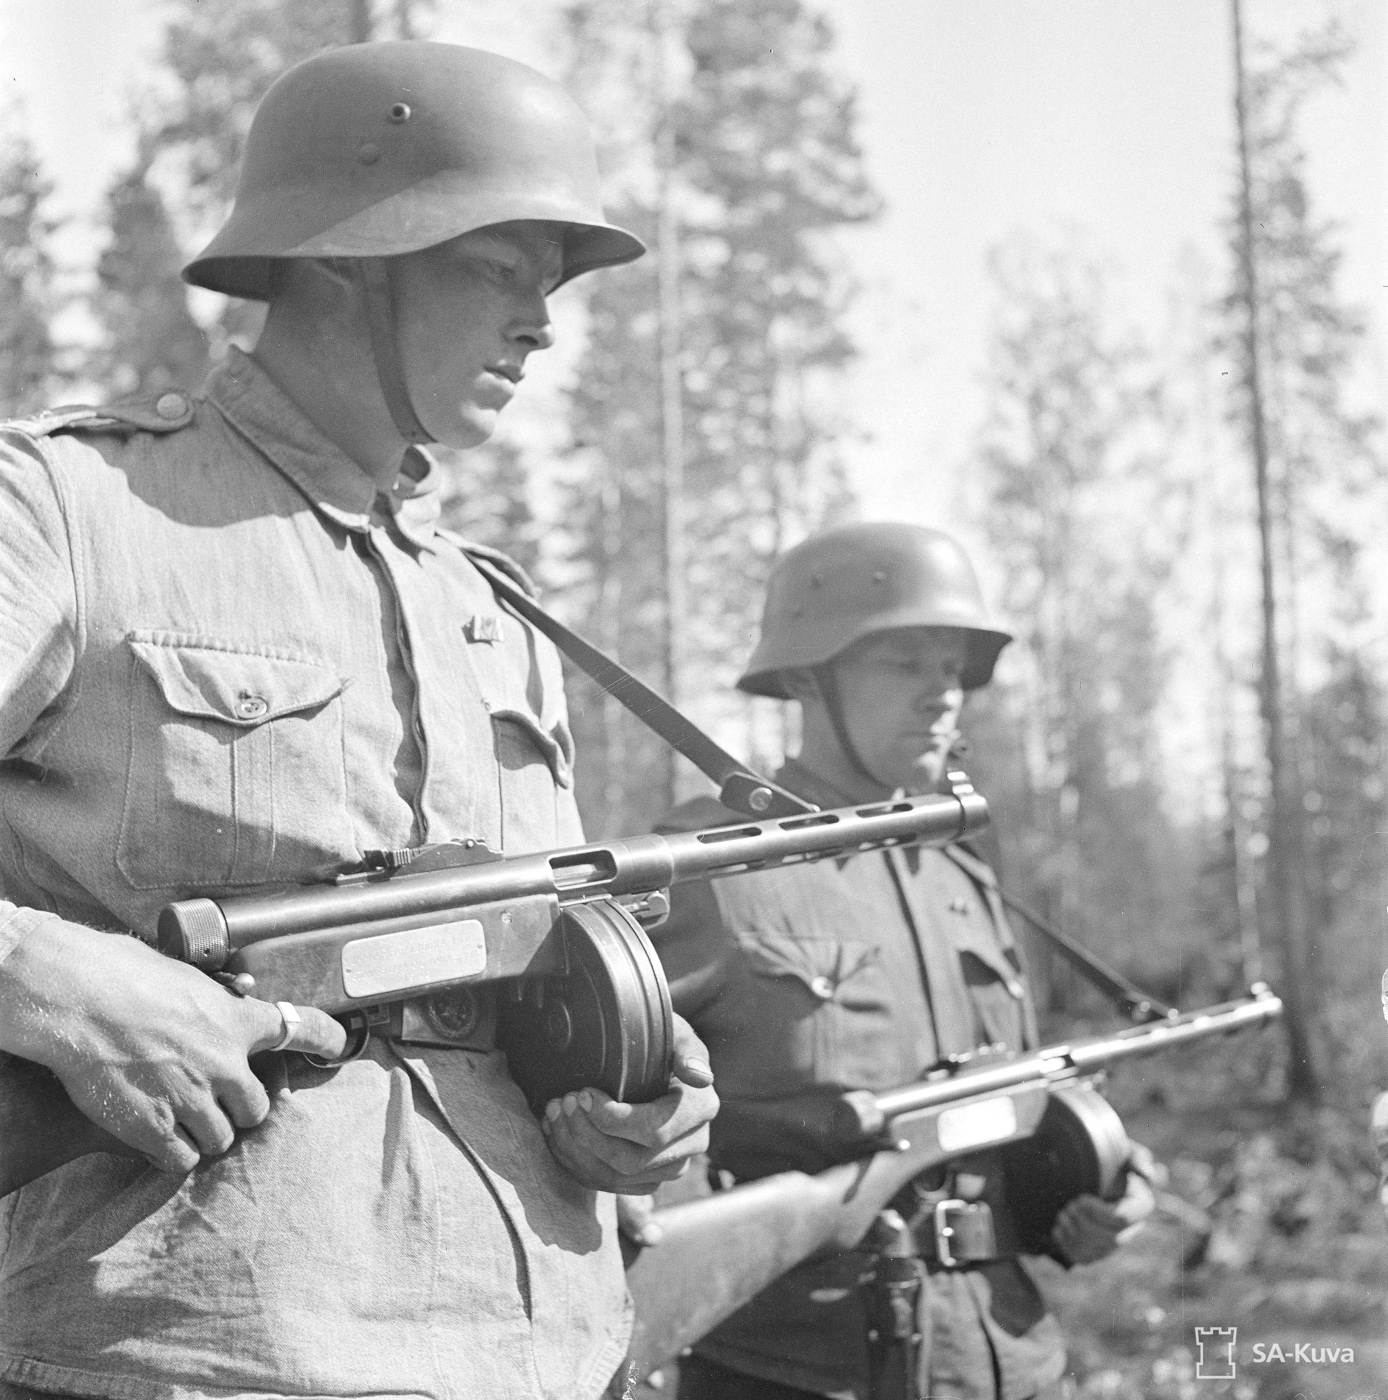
171 405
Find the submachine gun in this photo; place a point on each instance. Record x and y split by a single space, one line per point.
1060 1137
551 945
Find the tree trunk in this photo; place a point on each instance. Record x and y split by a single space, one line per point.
671 385
1283 861
359 26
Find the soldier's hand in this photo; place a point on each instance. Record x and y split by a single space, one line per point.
1089 1229
636 1220
151 1050
1378 1127
630 1148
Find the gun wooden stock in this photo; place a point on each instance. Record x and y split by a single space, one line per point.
40 1127
718 1253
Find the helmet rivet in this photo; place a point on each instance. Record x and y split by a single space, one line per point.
880 576
369 153
400 112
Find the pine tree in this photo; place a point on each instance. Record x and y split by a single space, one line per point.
28 298
1078 512
1294 344
151 340
745 155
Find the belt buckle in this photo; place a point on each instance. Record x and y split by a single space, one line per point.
964 1233
944 1232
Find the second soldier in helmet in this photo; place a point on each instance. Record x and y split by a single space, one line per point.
865 972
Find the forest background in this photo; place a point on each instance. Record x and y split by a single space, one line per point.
1076 408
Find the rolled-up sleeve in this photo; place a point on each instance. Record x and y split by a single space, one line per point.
38 619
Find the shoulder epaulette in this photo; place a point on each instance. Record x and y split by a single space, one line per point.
165 412
495 558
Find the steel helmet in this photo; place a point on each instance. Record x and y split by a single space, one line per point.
371 150
836 588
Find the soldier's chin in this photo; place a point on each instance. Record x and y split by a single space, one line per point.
467 426
928 771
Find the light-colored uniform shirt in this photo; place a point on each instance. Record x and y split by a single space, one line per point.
860 973
226 661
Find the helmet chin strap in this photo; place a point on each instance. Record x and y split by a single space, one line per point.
379 290
828 684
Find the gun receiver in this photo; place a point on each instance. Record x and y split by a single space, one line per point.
1061 1137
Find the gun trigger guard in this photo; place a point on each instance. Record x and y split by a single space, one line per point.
355 1052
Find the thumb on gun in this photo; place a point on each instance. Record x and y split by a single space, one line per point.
691 1058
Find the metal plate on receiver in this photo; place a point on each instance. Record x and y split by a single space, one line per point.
414 957
976 1124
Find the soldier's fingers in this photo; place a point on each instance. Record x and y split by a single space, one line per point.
675 1118
1378 1122
1139 1201
283 1026
631 1161
669 1119
245 1101
635 1219
174 1152
641 1124
208 1127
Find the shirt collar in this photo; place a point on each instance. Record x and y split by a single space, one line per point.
333 483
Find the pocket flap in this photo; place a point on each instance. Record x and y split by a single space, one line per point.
980 956
240 687
822 964
556 748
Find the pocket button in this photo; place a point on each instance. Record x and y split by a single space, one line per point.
823 988
251 706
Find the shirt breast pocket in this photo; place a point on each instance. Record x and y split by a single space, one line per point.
995 988
236 769
819 1013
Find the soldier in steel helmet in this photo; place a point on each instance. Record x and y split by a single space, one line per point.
862 974
235 650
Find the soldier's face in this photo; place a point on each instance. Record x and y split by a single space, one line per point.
902 695
468 313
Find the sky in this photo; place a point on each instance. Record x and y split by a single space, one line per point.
1108 122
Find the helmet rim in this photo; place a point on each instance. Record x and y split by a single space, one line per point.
328 171
857 581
